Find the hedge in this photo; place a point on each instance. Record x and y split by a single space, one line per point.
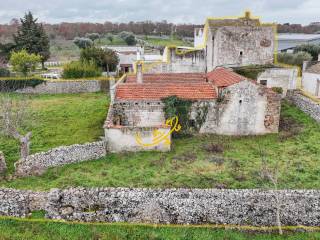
10 85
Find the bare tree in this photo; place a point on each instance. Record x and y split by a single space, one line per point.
272 173
13 116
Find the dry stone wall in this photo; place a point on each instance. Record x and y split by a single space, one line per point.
176 206
305 104
39 162
20 203
67 86
184 206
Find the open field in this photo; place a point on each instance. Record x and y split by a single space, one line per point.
199 162
60 120
64 50
46 229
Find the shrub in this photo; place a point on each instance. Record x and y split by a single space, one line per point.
313 49
214 148
106 59
294 58
79 69
278 90
14 84
24 62
4 72
83 42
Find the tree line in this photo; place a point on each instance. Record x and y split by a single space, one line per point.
71 30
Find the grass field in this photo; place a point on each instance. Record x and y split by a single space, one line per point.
193 161
64 50
60 120
37 229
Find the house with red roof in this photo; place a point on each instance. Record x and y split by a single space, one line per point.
234 105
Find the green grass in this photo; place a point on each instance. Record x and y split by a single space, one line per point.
166 42
60 120
39 229
68 119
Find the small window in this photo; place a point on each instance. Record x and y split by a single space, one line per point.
240 101
263 82
241 53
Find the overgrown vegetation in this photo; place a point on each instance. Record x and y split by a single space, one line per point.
174 106
296 58
202 161
14 84
252 71
78 69
39 229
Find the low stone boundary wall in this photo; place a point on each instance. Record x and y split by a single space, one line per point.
306 104
175 206
39 162
185 206
20 203
67 86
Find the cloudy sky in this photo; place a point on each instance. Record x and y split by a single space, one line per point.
178 11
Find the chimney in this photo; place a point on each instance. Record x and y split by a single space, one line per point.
247 14
139 73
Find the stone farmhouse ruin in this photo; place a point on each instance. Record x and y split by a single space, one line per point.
223 102
226 103
222 42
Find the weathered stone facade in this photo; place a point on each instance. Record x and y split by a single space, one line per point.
39 162
245 108
67 86
305 104
222 42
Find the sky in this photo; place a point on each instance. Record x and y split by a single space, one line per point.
176 11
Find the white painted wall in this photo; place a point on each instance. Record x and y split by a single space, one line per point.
124 139
286 78
309 82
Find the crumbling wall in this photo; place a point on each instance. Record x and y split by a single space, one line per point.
244 108
305 104
175 206
185 206
20 203
39 162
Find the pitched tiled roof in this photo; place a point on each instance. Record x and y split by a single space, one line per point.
222 77
157 91
170 78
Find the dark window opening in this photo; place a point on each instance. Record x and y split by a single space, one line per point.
241 53
240 101
263 82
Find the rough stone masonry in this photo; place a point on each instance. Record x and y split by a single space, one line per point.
175 206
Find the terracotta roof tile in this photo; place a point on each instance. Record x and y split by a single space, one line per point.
170 78
222 77
150 91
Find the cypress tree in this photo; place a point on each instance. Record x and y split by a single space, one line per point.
32 37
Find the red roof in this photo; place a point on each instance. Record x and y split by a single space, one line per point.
194 86
222 77
169 78
157 91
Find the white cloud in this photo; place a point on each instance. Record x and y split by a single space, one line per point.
179 11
